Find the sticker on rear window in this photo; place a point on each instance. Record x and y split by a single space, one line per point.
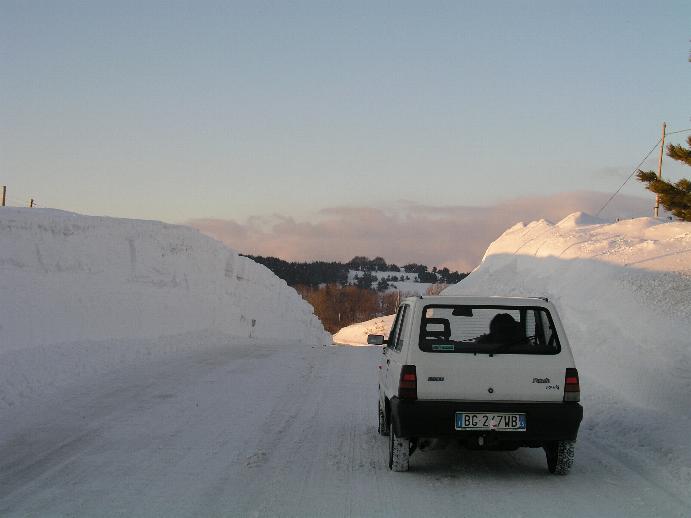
442 347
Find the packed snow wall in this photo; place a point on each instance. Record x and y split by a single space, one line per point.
623 291
72 279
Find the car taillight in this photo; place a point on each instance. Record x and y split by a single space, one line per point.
407 386
572 389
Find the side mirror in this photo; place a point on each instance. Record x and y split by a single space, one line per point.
376 339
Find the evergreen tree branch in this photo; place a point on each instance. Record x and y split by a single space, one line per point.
680 153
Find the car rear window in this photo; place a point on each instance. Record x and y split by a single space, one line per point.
488 330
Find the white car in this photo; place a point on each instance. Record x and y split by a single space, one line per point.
490 372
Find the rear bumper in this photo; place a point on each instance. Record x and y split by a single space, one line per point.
544 421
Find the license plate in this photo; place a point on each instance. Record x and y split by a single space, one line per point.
491 421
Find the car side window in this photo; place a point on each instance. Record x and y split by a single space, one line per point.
391 342
394 329
401 320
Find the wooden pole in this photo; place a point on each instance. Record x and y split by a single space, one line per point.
4 194
659 168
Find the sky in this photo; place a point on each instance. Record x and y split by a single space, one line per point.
239 112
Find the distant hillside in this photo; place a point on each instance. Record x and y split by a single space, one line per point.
360 271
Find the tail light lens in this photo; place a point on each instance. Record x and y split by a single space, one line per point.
407 386
572 389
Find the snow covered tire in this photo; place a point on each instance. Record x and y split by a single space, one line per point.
399 453
560 456
383 428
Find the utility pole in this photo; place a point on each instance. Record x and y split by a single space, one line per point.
659 168
4 194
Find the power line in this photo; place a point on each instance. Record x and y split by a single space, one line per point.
629 177
638 167
680 131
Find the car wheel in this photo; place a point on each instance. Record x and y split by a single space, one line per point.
560 456
383 428
399 452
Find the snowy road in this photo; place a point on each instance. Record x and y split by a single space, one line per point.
280 431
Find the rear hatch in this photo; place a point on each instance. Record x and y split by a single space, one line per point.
477 377
489 353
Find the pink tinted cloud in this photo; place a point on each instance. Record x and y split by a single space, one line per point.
403 232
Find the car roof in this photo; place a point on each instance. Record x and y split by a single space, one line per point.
478 300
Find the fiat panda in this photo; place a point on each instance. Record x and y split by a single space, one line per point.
492 373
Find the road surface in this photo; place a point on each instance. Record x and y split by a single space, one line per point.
272 430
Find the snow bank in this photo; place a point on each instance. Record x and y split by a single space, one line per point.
80 293
356 334
623 291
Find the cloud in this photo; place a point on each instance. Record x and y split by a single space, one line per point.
454 236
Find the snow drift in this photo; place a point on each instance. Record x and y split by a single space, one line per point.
623 292
356 334
80 293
